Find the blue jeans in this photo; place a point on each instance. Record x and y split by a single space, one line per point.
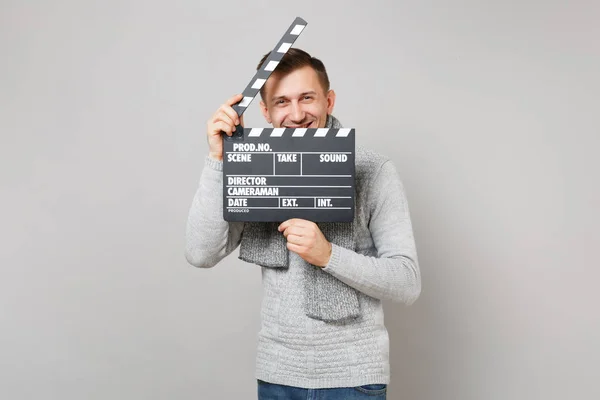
271 391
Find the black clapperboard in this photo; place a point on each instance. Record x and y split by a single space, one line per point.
274 174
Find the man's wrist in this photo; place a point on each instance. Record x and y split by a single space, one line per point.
329 255
218 157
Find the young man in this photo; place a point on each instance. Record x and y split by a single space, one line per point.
322 318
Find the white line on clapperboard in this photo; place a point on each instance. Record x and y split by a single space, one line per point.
326 176
294 197
293 152
284 186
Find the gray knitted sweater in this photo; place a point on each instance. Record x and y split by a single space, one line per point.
294 349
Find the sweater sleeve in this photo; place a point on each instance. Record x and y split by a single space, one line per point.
393 273
209 238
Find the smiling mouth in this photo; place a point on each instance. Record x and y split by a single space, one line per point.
299 126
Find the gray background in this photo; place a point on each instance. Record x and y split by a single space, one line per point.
488 109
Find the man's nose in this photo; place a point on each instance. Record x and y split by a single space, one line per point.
297 114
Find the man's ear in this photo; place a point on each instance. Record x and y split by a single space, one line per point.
330 101
265 111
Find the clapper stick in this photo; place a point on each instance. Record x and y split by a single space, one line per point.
267 68
274 174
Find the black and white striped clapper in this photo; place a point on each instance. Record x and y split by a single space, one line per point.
273 174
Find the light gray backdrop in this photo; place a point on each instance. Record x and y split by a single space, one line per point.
488 109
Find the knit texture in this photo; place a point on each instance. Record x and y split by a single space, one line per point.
293 348
325 297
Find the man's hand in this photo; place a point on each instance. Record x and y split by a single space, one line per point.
224 119
306 239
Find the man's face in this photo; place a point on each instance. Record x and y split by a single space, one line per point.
297 100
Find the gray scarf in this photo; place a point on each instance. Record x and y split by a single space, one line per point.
326 298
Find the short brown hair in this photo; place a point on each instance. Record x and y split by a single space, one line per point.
294 59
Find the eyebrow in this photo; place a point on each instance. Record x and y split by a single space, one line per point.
274 99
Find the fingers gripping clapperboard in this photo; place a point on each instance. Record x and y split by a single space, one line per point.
273 174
